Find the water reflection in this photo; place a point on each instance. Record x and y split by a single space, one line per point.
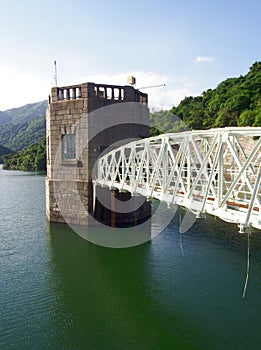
112 294
151 296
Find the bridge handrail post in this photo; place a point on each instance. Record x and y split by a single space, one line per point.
133 167
253 197
165 166
98 170
220 182
147 178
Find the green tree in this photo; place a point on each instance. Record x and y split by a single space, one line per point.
31 159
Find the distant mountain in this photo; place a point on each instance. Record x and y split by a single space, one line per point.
22 135
23 126
24 113
5 118
3 151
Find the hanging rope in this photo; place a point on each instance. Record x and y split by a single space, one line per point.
248 262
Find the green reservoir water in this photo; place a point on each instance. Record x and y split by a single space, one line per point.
58 291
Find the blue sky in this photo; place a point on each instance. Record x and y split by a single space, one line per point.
188 45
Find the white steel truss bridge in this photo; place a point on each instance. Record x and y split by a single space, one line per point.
213 171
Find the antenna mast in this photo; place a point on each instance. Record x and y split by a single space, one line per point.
55 74
149 87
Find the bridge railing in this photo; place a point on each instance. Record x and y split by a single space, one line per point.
215 171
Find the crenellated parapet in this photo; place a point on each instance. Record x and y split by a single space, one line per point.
100 92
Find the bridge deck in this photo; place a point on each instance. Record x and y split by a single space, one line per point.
215 171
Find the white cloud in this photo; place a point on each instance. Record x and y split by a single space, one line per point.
20 87
203 59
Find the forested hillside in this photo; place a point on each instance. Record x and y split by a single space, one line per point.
3 151
24 113
31 159
235 102
23 129
5 118
22 135
23 126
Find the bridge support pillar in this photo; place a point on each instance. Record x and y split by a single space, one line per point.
113 219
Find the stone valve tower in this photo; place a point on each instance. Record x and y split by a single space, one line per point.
83 121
